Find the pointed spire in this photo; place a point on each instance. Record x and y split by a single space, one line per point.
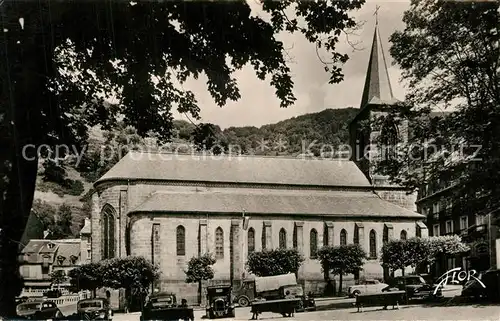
377 88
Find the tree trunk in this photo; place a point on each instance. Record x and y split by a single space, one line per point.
27 113
340 285
17 188
403 271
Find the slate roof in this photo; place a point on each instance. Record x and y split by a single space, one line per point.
275 203
377 89
236 169
67 250
33 246
35 249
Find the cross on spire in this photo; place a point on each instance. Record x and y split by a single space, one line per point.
376 14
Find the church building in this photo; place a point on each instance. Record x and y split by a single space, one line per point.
169 208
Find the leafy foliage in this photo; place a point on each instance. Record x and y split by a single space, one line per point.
399 254
342 260
274 262
58 277
58 221
206 138
445 245
87 276
200 268
461 148
132 272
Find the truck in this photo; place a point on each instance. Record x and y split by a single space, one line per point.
273 288
267 287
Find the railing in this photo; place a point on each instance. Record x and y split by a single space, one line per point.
66 300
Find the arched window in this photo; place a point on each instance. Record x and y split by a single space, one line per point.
181 240
108 232
219 243
251 240
282 237
403 235
385 235
294 238
343 237
313 244
373 244
356 234
389 138
325 235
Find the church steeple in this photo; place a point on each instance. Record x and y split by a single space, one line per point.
377 90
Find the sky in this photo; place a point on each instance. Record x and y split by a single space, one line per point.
258 104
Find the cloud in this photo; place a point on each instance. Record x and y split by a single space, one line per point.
259 105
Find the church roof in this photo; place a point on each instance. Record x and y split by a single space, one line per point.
236 169
377 90
365 204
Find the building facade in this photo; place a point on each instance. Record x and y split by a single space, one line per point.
169 208
446 217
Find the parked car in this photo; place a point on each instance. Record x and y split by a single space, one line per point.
415 286
367 286
38 310
219 302
474 289
94 309
163 306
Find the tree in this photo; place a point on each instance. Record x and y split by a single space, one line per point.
209 137
58 277
444 245
64 220
87 277
200 269
274 262
463 147
399 254
60 64
133 273
342 260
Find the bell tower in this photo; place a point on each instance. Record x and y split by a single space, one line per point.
378 100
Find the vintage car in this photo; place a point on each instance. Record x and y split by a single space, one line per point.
415 287
38 310
366 287
219 302
93 309
163 306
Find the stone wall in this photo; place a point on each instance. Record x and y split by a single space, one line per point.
310 274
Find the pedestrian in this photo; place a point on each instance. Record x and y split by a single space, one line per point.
255 314
184 303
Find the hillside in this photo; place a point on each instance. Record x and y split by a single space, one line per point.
71 185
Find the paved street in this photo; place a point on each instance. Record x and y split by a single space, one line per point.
462 312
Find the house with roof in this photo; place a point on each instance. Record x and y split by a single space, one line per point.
40 257
171 207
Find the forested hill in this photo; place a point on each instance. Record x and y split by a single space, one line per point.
288 136
66 184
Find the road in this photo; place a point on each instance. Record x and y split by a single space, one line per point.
413 312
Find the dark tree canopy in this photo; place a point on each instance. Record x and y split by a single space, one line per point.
274 262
